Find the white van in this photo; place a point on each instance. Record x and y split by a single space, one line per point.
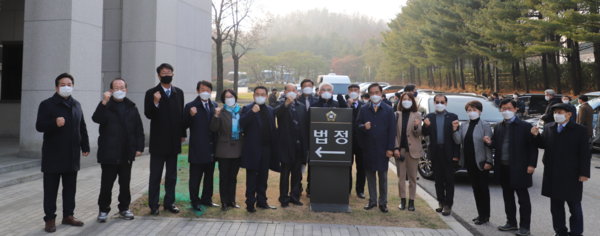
340 83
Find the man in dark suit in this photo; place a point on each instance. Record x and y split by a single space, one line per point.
121 140
273 97
352 101
567 100
585 116
376 127
60 118
515 160
259 153
566 161
386 101
442 151
307 97
197 116
163 105
552 99
292 131
496 98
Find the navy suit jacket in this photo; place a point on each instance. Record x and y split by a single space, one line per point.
379 139
252 150
202 140
452 149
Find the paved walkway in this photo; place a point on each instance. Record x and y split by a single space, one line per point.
21 213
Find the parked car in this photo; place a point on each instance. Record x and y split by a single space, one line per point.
392 88
456 104
594 102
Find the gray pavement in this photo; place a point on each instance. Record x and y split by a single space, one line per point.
21 213
541 219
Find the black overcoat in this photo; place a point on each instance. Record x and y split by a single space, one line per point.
166 129
287 134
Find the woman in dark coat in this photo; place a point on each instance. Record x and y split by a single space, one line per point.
229 146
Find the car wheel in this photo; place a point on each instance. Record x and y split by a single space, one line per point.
425 167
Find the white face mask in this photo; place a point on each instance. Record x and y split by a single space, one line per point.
204 96
406 104
353 95
473 115
260 100
375 98
547 98
230 102
566 101
307 90
508 115
515 97
440 107
293 94
559 118
119 94
65 91
326 95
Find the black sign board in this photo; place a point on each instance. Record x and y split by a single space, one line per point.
330 158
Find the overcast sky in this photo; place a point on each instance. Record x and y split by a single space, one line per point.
378 9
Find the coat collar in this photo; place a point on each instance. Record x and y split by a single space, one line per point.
57 99
161 89
111 103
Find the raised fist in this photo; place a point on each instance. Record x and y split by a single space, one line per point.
368 125
417 122
60 121
350 102
193 111
156 97
535 131
487 140
289 99
105 97
455 125
217 111
427 122
255 108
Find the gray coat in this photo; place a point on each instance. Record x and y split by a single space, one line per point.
482 153
226 146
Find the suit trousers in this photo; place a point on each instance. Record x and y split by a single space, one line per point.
197 172
443 174
481 190
157 163
360 170
407 167
372 183
51 184
228 171
557 207
256 180
510 206
295 170
109 175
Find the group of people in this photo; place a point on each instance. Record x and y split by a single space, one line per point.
260 138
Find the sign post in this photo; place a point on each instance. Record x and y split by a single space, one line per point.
330 159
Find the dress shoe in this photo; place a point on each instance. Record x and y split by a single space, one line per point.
475 219
383 208
370 206
197 207
523 232
172 208
102 216
285 205
70 220
224 207
597 167
266 207
481 220
50 226
297 203
154 212
507 227
126 214
232 204
402 204
411 205
447 211
361 195
211 204
440 208
251 209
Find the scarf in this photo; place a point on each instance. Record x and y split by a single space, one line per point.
235 120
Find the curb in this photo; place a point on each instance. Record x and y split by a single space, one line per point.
433 203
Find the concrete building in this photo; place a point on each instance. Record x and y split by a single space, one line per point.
95 41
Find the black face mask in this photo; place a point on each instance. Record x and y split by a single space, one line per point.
166 79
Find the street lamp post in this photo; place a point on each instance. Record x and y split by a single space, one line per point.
369 72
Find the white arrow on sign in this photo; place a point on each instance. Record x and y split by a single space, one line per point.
318 152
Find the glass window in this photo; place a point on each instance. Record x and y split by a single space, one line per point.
456 105
340 88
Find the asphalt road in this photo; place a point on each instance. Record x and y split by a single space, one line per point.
464 209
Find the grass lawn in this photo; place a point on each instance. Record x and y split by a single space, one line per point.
423 217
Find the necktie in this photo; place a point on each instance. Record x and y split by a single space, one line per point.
168 93
207 110
376 106
560 127
325 104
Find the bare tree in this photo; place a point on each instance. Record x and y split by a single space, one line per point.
241 12
221 30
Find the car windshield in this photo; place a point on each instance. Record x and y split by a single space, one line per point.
340 88
456 105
